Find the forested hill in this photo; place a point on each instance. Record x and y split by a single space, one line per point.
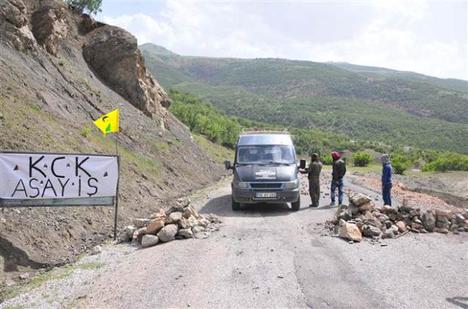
362 102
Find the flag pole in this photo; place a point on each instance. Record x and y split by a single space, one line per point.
116 207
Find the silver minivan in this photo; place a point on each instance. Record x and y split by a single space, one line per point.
265 170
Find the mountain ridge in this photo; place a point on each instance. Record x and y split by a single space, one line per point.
391 109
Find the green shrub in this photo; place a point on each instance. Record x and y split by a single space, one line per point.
92 6
85 131
361 158
202 118
447 162
328 160
400 164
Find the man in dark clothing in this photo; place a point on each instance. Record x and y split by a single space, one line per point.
339 170
313 173
386 179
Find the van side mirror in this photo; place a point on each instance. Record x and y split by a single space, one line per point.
302 164
227 165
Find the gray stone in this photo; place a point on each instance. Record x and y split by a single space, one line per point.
441 230
168 233
388 233
204 222
174 217
460 219
96 250
443 223
359 199
428 220
185 233
141 222
149 241
138 234
344 213
127 234
183 202
371 231
198 229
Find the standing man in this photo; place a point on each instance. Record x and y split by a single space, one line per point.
339 170
315 167
386 179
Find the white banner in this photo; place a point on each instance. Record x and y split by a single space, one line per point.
36 176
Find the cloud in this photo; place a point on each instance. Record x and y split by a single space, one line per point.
390 35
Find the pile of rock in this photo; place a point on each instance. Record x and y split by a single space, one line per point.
179 222
362 218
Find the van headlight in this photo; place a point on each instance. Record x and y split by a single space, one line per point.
242 185
292 184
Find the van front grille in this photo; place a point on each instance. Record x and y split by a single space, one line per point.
266 185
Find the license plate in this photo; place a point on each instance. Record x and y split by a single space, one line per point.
265 195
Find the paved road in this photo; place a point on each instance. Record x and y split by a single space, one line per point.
267 256
271 257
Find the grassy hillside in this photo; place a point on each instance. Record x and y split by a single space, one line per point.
399 108
202 119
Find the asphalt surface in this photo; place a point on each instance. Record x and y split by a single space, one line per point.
269 256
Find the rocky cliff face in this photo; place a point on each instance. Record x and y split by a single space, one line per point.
113 54
59 70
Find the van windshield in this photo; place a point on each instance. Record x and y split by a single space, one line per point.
265 154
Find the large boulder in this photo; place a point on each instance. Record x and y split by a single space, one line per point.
127 234
349 231
159 215
168 233
186 233
443 219
359 199
155 226
174 217
149 241
191 212
366 207
114 55
371 231
428 220
343 212
401 226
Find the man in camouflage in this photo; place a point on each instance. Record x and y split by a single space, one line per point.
313 173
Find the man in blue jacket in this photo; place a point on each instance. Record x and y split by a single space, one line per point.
386 179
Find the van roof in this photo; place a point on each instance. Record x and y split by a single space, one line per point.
264 139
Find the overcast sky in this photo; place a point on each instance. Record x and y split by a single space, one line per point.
424 36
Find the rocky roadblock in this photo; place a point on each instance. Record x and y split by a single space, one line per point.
178 222
363 218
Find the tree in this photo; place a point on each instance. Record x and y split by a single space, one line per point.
361 158
400 164
92 6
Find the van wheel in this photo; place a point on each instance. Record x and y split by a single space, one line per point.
235 205
296 205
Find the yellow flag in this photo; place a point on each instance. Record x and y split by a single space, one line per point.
109 122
